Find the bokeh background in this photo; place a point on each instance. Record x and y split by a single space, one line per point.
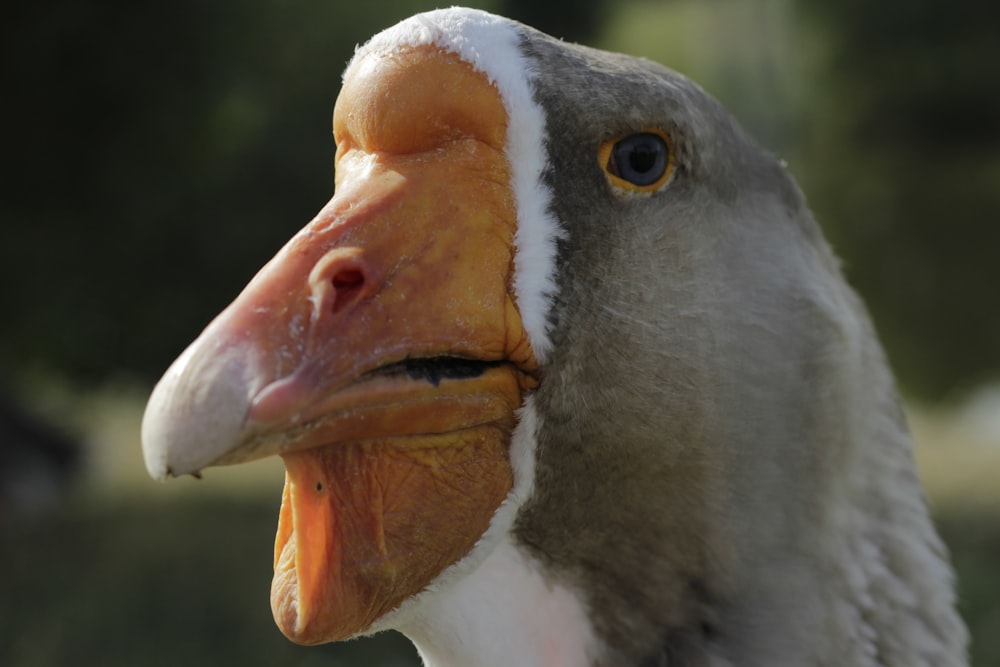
155 154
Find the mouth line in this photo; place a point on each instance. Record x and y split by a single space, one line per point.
436 369
394 382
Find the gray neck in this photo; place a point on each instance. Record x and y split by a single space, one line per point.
722 470
749 526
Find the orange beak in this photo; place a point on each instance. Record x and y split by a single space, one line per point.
380 353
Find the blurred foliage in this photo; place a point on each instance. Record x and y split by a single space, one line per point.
156 585
905 142
579 21
974 541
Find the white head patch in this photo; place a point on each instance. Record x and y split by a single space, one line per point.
491 45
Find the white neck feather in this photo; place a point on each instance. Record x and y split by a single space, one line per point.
504 613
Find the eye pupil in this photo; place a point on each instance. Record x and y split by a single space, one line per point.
640 159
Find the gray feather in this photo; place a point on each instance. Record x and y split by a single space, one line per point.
757 499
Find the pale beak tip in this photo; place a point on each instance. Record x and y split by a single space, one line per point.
195 415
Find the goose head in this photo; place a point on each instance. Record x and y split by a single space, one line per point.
565 374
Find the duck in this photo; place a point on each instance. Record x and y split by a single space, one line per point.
565 374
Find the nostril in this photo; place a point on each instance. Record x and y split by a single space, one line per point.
347 284
347 279
339 280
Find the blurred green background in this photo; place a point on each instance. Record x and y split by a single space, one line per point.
156 154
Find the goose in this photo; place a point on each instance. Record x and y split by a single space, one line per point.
565 374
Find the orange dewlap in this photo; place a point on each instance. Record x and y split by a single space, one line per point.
391 480
364 526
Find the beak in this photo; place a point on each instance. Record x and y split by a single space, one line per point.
380 352
380 290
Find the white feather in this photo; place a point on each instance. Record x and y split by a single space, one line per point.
506 613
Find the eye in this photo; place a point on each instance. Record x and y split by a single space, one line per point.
638 162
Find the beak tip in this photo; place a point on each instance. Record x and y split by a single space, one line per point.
164 449
155 444
195 416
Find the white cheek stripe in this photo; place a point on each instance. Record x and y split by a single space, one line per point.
491 45
448 620
496 606
419 609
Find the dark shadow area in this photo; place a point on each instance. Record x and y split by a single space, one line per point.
39 463
174 584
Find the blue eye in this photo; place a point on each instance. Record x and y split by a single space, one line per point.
640 159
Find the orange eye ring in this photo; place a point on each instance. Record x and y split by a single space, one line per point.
640 162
